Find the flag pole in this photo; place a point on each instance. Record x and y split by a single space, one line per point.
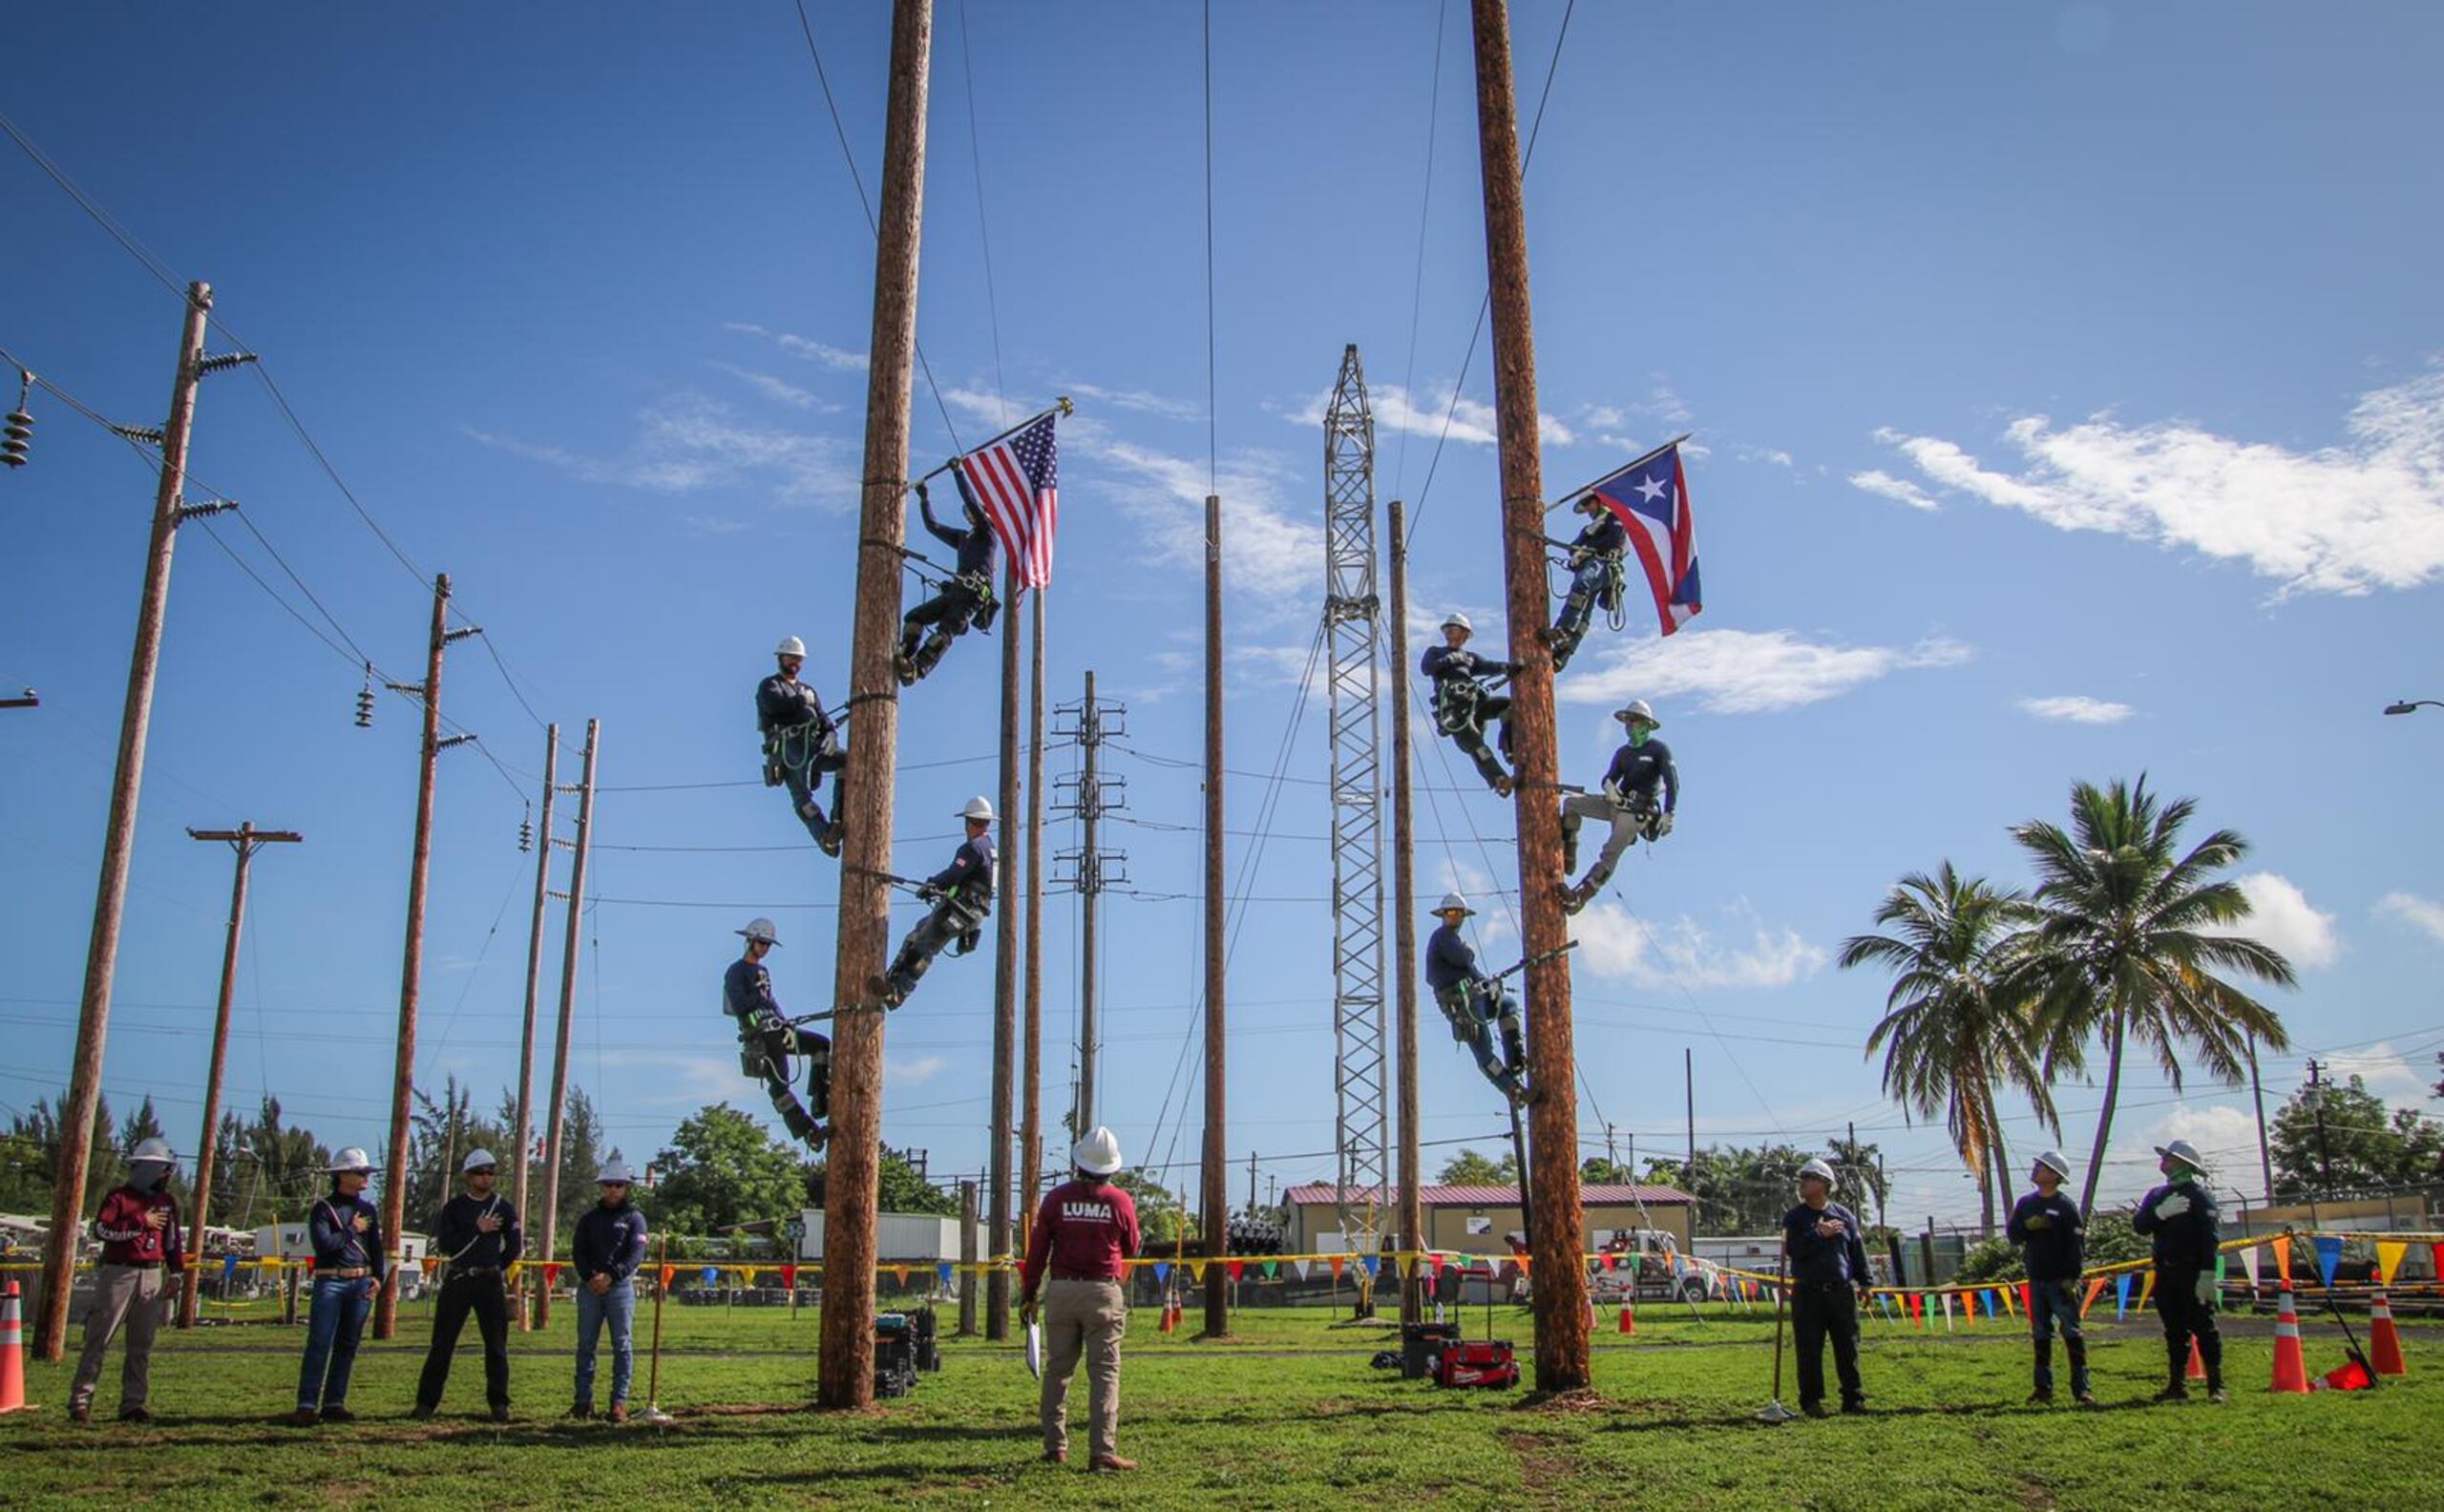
1571 493
1060 407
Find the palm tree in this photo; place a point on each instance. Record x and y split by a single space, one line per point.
2125 942
1950 1038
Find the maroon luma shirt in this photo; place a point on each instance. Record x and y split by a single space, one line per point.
1084 1229
126 1241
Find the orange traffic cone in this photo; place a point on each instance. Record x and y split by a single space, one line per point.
2290 1370
2348 1376
1165 1327
2196 1361
2384 1341
13 1353
1629 1319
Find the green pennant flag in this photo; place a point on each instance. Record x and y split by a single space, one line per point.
1272 1268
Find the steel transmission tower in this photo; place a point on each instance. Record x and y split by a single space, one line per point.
1352 629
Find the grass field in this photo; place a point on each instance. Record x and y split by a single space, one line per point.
1287 1415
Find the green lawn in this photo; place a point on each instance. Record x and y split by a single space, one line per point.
1288 1415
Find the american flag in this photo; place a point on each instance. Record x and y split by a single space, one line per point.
1015 481
1650 496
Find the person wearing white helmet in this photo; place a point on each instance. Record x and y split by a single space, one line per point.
1826 1246
801 742
767 1040
965 600
136 1283
1595 578
1077 1269
478 1237
2051 1235
1463 704
608 1248
1474 1004
2180 1218
961 894
1641 788
344 1233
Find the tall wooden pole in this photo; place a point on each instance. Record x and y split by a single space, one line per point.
556 1111
403 1069
844 1373
1090 860
118 847
1006 982
1404 957
243 840
524 1138
1031 1072
1217 1198
1562 1360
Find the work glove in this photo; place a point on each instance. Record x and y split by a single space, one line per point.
1662 824
2038 1223
2172 1203
2205 1290
1514 669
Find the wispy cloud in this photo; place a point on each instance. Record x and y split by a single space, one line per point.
2077 709
1471 421
839 359
913 1069
2344 519
1900 491
1747 671
778 389
1134 400
690 443
1682 951
1269 552
2424 915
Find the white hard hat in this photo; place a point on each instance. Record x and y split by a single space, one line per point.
1099 1152
152 1149
790 645
2053 1161
478 1159
761 928
352 1159
1817 1168
1455 618
1637 709
2184 1152
1451 901
615 1169
978 808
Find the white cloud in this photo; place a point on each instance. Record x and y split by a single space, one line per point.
913 1069
1267 551
2280 916
1900 491
2364 514
778 389
839 359
1773 456
1471 421
1136 400
2420 913
688 443
1685 952
2387 1071
1747 671
2078 709
2224 1134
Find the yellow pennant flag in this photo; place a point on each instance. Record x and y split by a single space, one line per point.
2146 1288
2389 1260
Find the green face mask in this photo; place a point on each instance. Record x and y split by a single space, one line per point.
1640 731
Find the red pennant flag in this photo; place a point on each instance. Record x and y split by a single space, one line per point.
2028 1301
669 1273
1337 1262
790 1277
551 1272
1917 1308
899 1274
1239 1267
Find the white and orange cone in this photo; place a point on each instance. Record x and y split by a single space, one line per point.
2291 1369
13 1353
2384 1340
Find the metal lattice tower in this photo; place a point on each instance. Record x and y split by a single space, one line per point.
1351 631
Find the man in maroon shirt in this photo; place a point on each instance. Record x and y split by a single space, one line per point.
1084 1236
135 1284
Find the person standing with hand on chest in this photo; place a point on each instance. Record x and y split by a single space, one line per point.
136 1284
346 1234
1828 1279
479 1238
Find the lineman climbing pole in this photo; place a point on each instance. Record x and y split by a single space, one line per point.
1554 1237
1352 627
845 1370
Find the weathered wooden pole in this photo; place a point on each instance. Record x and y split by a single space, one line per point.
1562 1360
845 1369
1404 957
1217 1197
557 1108
1031 1072
1006 981
524 1136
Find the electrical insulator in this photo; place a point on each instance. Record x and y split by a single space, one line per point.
526 834
19 427
365 701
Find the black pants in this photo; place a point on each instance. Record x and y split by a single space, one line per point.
1471 737
2186 1318
951 917
1821 1309
488 1298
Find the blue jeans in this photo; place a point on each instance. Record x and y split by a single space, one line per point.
2049 1303
617 1307
332 1327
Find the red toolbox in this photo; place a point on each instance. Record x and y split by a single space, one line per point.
1477 1362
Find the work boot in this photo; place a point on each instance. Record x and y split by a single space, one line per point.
135 1415
2173 1391
1855 1407
2084 1397
1111 1463
834 835
499 1415
2215 1394
887 990
2042 1397
582 1410
1056 1457
338 1415
1573 898
302 1417
83 1412
1813 1409
619 1412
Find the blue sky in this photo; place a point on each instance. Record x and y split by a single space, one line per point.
2064 382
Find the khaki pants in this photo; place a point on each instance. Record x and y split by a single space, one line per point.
132 1297
1082 1317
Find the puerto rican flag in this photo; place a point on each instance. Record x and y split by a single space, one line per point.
1651 498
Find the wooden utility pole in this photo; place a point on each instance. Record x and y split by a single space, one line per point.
1562 1360
118 845
845 1373
243 840
556 1109
525 1134
403 1072
1217 1198
1031 1072
1005 979
1404 958
967 1259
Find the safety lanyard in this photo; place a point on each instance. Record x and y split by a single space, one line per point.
348 1236
481 1235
